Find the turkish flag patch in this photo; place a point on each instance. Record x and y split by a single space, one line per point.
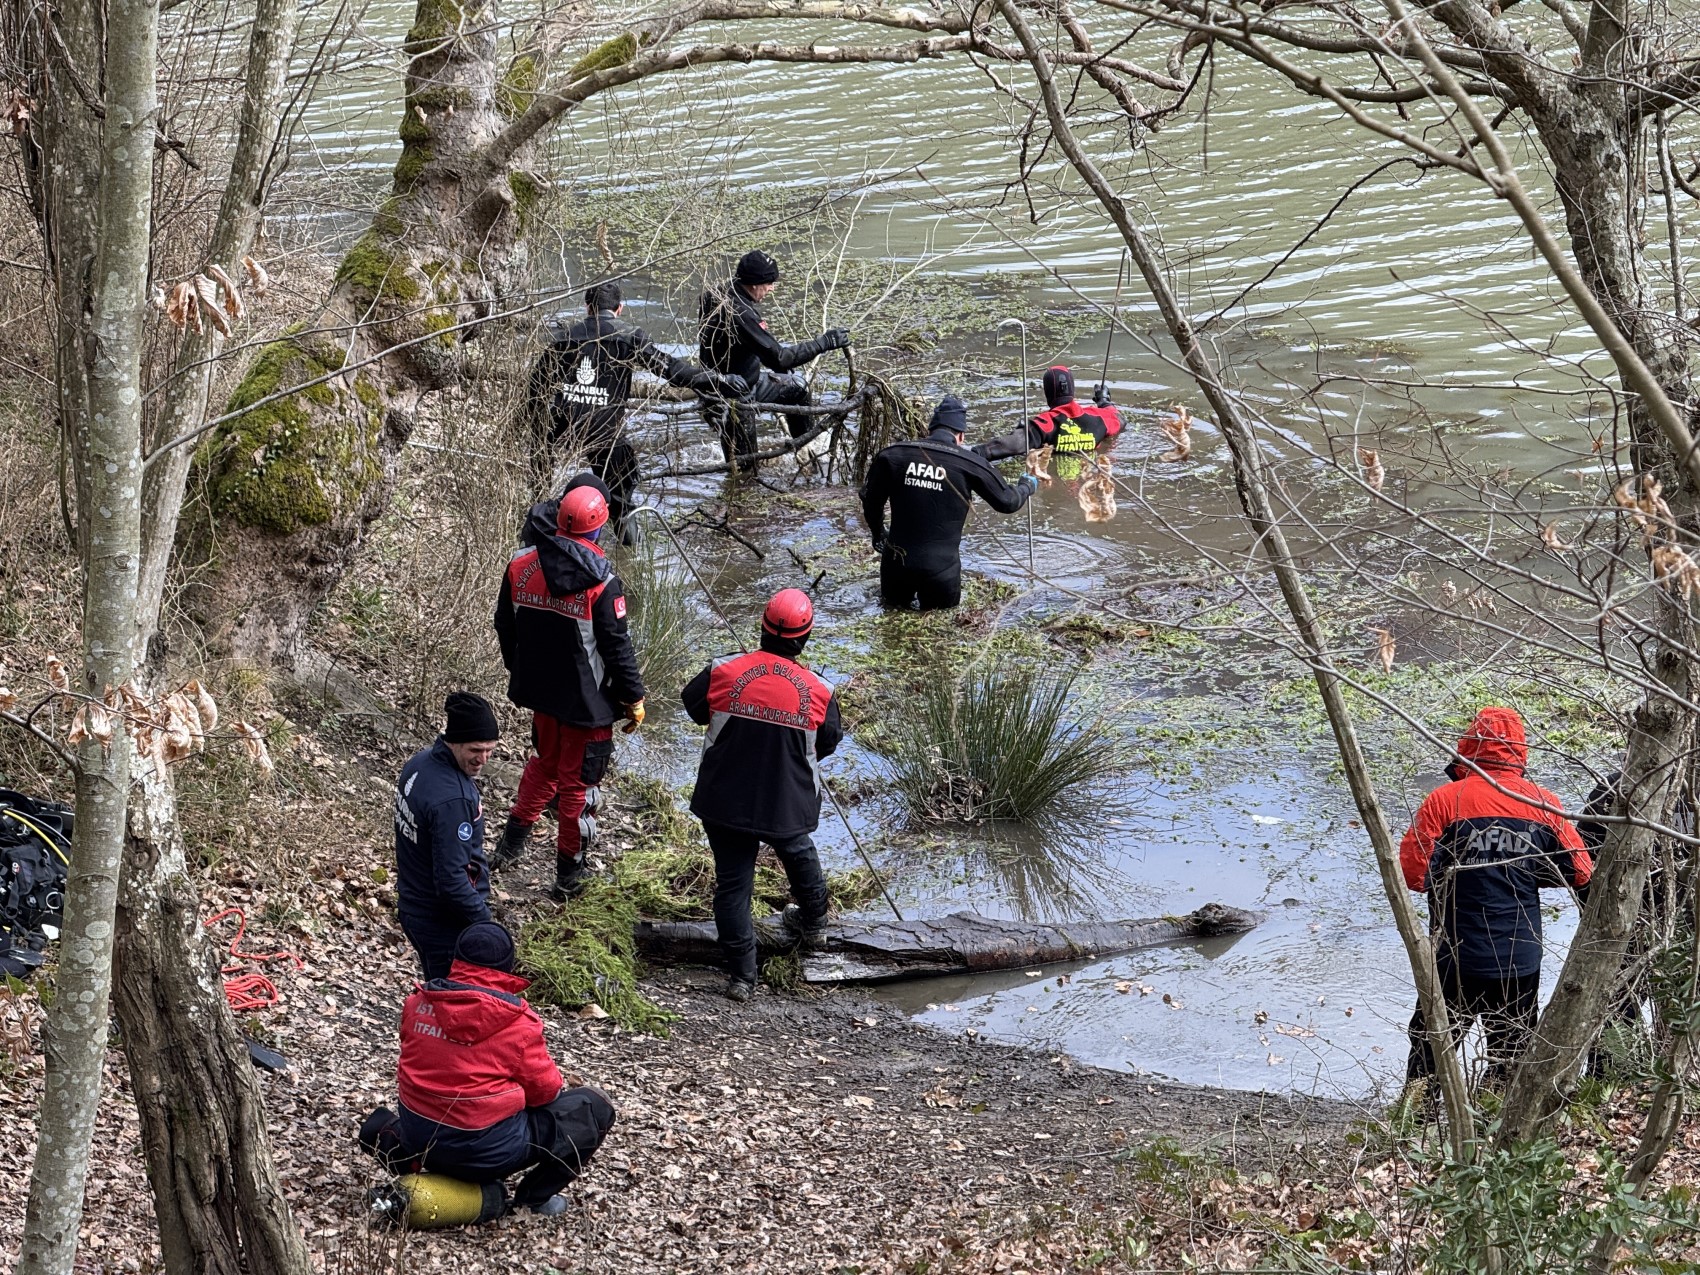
619 608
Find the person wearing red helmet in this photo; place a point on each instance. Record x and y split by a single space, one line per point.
770 722
561 624
1483 847
1072 429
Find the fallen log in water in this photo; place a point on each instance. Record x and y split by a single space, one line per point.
962 943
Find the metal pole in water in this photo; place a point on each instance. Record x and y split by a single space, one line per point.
1115 309
738 641
1025 417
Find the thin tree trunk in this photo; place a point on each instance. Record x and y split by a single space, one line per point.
108 458
1260 513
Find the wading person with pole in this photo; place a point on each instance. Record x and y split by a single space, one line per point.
770 722
442 878
734 341
561 624
581 387
1071 429
1483 847
929 483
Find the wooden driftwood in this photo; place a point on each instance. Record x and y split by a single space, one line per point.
961 943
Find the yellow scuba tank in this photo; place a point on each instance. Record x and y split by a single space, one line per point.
429 1201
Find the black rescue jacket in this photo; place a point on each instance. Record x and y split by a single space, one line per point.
441 877
583 379
770 721
561 624
929 483
734 339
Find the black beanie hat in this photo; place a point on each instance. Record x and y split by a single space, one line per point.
486 944
469 719
951 414
756 266
1059 386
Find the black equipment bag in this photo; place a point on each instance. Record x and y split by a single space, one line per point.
35 845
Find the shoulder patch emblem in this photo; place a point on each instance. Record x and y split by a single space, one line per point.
464 832
619 608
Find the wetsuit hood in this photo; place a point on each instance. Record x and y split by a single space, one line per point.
1059 386
1496 741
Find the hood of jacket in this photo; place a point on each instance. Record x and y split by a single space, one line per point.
1496 739
570 565
475 1002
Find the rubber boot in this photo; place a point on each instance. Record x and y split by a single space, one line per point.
510 848
806 931
571 876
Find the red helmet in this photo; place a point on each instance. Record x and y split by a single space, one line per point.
582 511
790 614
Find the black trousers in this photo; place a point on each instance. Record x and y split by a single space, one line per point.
561 1137
903 587
738 428
1506 1006
610 458
734 882
435 944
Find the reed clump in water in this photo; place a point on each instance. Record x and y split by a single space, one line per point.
666 628
1001 742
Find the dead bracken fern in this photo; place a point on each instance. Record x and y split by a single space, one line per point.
999 744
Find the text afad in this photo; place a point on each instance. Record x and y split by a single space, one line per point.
921 474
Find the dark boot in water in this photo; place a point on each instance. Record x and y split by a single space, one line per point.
571 876
806 931
510 848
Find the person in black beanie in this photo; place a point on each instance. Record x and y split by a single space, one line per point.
481 1097
442 878
929 483
734 341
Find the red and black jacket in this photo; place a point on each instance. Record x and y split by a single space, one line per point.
1069 428
473 1058
770 721
1484 852
561 624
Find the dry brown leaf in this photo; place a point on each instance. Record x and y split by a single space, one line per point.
57 677
1676 569
1549 538
1374 473
78 731
1449 591
1097 493
156 298
232 298
1178 429
206 292
258 280
204 705
181 309
1385 648
1037 460
254 745
8 700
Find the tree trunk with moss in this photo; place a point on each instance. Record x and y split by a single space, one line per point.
285 489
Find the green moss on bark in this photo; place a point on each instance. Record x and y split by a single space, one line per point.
606 56
518 85
294 461
370 267
410 167
528 193
433 22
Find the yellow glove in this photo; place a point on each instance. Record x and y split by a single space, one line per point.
634 717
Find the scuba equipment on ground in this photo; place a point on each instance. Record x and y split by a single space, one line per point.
35 843
430 1201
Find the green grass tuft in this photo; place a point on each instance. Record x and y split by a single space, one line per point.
584 953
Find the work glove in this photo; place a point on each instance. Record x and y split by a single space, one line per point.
835 339
634 717
879 545
1028 482
731 385
1101 395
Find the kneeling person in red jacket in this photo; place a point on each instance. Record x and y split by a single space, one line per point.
770 721
481 1099
1484 849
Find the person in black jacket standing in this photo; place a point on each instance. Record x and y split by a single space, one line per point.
929 482
770 721
561 624
582 384
442 879
734 340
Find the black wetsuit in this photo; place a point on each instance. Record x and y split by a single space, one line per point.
581 388
928 482
734 339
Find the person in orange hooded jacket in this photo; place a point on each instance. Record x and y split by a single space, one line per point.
1483 847
481 1098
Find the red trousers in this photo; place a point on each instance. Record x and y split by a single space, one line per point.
569 764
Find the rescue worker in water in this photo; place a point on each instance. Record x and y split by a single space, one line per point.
929 483
1071 429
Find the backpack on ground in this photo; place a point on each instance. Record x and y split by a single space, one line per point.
35 845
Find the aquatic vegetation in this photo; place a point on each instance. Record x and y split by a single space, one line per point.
666 627
999 743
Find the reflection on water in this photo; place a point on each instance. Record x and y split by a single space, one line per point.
1053 869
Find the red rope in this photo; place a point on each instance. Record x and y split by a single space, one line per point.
248 992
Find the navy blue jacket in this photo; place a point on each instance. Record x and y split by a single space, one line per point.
441 876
